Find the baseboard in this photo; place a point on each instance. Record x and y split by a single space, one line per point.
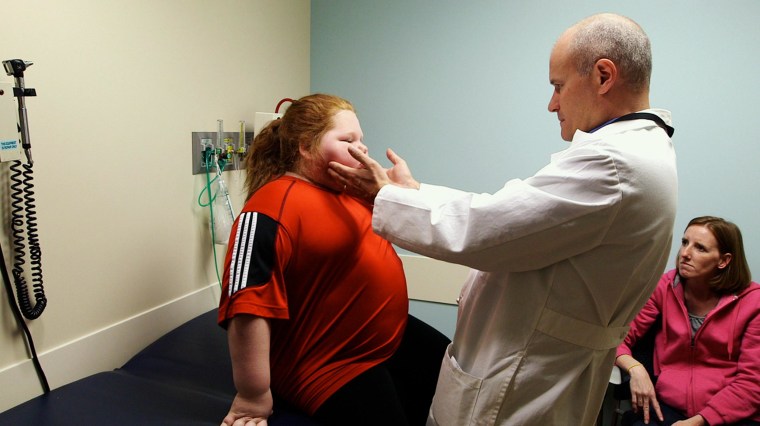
102 350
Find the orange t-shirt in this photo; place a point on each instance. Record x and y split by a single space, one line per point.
308 259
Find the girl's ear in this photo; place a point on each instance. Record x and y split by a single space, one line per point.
304 150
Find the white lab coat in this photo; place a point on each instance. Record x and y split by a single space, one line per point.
562 262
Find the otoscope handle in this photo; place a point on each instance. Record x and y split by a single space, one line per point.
16 68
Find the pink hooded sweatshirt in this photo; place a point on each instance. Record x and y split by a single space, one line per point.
718 374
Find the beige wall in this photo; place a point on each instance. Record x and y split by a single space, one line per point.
121 85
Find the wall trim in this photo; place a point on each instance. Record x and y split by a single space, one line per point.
104 349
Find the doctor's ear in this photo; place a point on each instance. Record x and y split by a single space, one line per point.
606 74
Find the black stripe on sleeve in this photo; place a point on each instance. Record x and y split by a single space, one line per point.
253 253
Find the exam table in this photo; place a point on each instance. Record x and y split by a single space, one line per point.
183 378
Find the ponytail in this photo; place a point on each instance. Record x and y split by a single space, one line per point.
268 158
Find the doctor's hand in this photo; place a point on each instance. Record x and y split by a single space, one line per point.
365 182
249 412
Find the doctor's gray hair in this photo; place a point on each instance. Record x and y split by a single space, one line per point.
617 38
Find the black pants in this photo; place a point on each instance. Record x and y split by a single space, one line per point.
671 416
397 392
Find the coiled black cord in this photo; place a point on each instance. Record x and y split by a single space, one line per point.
22 324
22 207
22 199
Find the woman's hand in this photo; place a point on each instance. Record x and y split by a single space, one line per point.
642 393
692 421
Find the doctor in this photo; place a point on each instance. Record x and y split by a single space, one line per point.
562 261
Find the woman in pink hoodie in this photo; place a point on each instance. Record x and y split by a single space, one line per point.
707 351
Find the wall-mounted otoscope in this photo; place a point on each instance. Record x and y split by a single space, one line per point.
23 213
16 68
23 221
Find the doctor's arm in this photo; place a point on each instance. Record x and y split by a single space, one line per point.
563 210
249 338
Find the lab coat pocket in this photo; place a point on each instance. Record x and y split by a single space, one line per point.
455 395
